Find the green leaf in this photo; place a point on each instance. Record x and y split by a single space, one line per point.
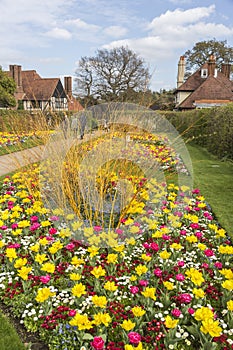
87 336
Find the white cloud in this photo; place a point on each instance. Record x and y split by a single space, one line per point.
115 31
59 33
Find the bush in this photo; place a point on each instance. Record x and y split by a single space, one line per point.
211 128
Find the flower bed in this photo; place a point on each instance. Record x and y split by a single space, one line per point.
165 280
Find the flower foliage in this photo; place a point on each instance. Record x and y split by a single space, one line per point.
166 285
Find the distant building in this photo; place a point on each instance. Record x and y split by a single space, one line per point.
45 94
207 87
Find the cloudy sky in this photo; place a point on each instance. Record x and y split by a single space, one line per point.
51 36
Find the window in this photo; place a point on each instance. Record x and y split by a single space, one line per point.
204 73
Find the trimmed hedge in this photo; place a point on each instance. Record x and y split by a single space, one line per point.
211 128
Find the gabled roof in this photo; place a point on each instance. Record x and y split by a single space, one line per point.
211 89
37 88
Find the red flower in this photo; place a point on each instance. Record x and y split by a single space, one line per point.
98 343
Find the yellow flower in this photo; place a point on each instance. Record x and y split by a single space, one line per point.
76 225
23 272
110 286
195 276
76 261
99 301
203 313
201 246
48 267
212 327
65 232
20 262
130 241
43 241
98 271
168 285
35 248
75 277
141 269
112 258
228 284
40 258
165 255
138 311
149 292
191 239
170 323
128 325
131 347
134 229
146 257
55 247
133 278
227 273
45 223
81 321
104 318
78 290
24 223
1 244
199 293
119 248
176 246
93 251
17 232
11 253
43 294
230 305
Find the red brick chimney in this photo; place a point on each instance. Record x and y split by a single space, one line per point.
226 69
16 74
68 86
211 65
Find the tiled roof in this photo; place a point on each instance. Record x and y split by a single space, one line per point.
36 88
211 89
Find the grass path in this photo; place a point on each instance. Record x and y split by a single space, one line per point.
215 180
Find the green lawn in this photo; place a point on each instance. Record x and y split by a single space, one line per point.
215 180
9 339
21 146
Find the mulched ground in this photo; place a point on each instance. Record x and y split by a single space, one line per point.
25 336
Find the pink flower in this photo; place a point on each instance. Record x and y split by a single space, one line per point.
15 225
52 230
166 237
184 298
180 263
98 343
72 313
205 265
176 312
194 225
209 252
154 246
54 218
134 289
198 234
180 277
45 279
34 218
196 191
143 283
119 231
158 272
218 265
70 246
183 232
34 226
97 228
134 337
191 311
14 245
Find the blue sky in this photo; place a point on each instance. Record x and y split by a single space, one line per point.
51 36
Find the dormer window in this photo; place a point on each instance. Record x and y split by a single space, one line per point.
204 73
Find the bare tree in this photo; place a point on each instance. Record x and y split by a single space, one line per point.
111 73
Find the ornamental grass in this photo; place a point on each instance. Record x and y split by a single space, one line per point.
152 272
